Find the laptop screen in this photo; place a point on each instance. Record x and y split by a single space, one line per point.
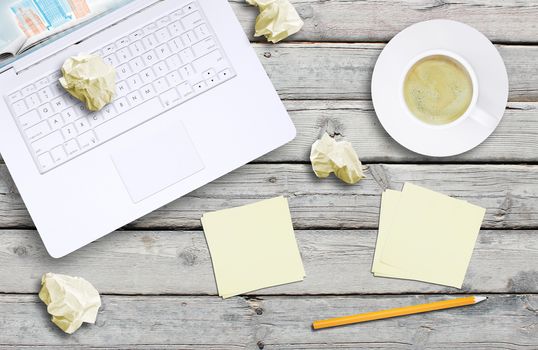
26 25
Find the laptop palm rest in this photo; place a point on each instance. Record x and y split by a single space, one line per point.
154 161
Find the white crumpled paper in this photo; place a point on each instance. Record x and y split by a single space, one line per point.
89 79
70 300
328 156
277 20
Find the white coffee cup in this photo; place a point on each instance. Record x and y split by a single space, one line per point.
473 111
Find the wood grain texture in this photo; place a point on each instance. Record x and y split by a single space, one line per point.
336 71
378 21
508 192
336 262
514 140
191 322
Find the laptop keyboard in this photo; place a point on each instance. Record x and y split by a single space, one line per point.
160 65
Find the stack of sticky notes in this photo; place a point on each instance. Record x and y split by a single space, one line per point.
425 236
253 247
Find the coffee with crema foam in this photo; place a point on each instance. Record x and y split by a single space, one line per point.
438 90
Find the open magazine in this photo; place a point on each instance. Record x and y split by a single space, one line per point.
27 23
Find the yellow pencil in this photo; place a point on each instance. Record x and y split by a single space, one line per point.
400 311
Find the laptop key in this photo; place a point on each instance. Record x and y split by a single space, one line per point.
69 115
160 85
148 92
124 55
161 68
29 119
185 89
173 62
112 60
211 60
71 147
28 90
134 98
87 140
19 107
123 42
163 35
170 98
201 32
58 104
58 154
45 161
124 71
188 38
14 97
45 111
163 51
48 142
136 64
149 41
192 20
69 131
37 131
32 101
56 122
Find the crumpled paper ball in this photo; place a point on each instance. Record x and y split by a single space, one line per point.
328 156
89 79
277 20
70 300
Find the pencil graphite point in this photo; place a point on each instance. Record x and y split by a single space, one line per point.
479 299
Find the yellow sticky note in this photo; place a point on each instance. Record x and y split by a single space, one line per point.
253 247
431 236
389 205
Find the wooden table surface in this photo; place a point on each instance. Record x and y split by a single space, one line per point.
155 275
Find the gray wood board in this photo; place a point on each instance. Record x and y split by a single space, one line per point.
508 192
515 139
194 322
336 262
378 21
336 71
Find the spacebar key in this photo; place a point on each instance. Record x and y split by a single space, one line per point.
129 120
211 60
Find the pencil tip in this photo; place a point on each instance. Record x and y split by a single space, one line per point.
479 299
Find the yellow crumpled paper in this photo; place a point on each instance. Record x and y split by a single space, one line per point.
89 79
277 20
70 300
329 156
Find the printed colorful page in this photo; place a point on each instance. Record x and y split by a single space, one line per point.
24 23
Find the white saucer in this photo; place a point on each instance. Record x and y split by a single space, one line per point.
468 131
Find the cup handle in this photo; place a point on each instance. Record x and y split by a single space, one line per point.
484 118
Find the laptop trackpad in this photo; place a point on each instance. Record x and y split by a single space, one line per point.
161 159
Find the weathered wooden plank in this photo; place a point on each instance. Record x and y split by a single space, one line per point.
378 21
135 322
515 140
336 262
501 322
508 192
330 71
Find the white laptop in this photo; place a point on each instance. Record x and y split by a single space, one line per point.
193 103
